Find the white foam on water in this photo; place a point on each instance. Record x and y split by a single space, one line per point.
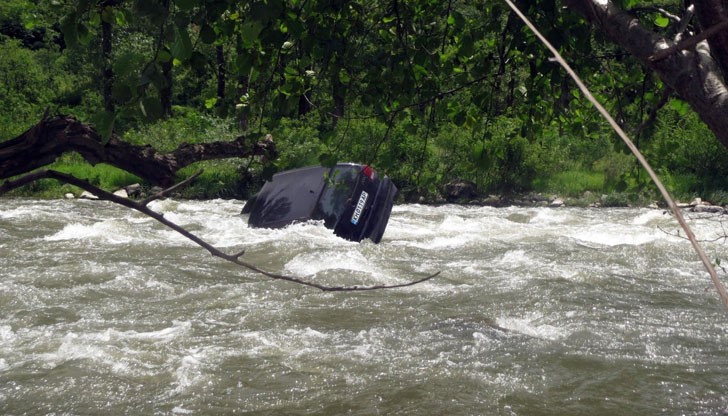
7 334
195 365
77 347
530 325
181 354
189 371
178 330
514 258
18 213
651 216
615 234
551 216
112 231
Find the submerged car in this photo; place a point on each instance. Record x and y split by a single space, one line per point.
351 199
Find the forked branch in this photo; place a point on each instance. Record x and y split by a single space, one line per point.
142 206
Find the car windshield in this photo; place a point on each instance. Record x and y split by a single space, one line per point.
337 194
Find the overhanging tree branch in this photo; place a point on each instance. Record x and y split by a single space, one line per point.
52 136
144 209
690 42
696 74
666 195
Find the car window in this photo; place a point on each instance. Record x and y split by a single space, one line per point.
337 194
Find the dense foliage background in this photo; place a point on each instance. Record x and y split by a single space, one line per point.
426 91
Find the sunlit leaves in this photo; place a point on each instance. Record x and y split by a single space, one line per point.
680 106
661 21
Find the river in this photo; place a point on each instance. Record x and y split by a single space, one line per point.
537 311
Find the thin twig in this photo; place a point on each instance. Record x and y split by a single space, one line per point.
144 209
665 194
689 42
675 18
171 189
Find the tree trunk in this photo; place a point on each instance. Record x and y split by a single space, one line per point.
220 60
51 137
339 93
107 72
694 73
165 93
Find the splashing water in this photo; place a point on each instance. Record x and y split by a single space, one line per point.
537 311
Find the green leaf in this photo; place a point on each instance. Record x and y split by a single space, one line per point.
182 47
661 21
84 35
82 6
151 108
122 93
680 106
123 18
327 159
344 76
419 72
207 34
480 156
164 56
69 26
250 31
185 4
210 102
104 122
198 62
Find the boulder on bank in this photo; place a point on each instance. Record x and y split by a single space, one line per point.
458 190
133 190
121 193
711 209
88 195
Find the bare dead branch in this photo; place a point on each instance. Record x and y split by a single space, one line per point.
719 218
171 189
144 209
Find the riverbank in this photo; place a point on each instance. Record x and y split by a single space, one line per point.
224 181
528 199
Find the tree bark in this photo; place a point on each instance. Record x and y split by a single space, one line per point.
695 74
51 137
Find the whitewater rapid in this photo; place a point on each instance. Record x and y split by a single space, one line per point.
535 310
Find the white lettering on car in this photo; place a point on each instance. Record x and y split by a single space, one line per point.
359 207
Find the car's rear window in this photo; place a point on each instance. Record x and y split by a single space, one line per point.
338 192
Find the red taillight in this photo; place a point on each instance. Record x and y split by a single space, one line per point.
368 172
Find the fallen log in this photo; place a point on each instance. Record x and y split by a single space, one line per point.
53 136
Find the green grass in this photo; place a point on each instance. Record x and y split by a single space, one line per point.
106 177
571 183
